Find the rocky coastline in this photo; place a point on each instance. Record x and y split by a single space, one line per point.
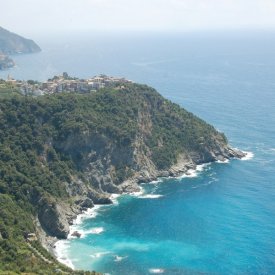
64 215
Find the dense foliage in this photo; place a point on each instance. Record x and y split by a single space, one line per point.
34 163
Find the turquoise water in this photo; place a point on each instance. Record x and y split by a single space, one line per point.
223 220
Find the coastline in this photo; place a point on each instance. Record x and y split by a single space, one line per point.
60 246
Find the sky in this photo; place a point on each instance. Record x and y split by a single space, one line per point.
27 16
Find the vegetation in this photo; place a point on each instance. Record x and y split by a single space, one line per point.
34 163
8 90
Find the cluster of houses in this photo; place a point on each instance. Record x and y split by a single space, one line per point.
64 83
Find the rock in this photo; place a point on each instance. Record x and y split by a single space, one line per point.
85 203
52 218
237 153
76 234
99 198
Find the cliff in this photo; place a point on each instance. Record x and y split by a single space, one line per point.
61 154
11 43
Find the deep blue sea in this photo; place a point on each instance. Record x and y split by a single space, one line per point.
221 220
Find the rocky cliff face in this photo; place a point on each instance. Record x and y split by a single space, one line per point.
98 169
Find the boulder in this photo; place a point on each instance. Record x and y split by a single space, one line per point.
53 220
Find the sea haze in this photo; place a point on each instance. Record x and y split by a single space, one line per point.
218 220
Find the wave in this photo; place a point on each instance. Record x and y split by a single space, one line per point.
150 196
83 233
192 173
95 230
61 252
119 258
138 193
114 198
248 156
156 270
156 181
100 254
141 195
223 161
88 214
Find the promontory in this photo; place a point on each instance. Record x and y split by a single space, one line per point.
62 153
10 44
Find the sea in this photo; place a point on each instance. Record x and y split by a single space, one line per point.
219 219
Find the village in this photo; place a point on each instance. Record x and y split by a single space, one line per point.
65 83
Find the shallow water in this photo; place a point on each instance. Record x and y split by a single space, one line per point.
220 221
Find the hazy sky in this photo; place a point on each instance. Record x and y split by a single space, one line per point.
27 16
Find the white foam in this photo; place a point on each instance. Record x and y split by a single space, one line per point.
61 247
150 196
192 173
61 251
76 227
138 193
156 270
141 195
201 167
248 156
99 254
84 233
156 181
88 214
95 230
119 258
223 161
114 198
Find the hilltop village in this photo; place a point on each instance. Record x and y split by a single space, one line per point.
64 83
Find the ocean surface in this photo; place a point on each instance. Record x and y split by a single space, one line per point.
221 218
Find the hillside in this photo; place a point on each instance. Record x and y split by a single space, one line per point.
11 43
60 154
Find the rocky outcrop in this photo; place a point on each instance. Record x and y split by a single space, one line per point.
53 219
76 234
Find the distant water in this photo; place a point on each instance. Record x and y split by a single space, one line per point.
221 221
